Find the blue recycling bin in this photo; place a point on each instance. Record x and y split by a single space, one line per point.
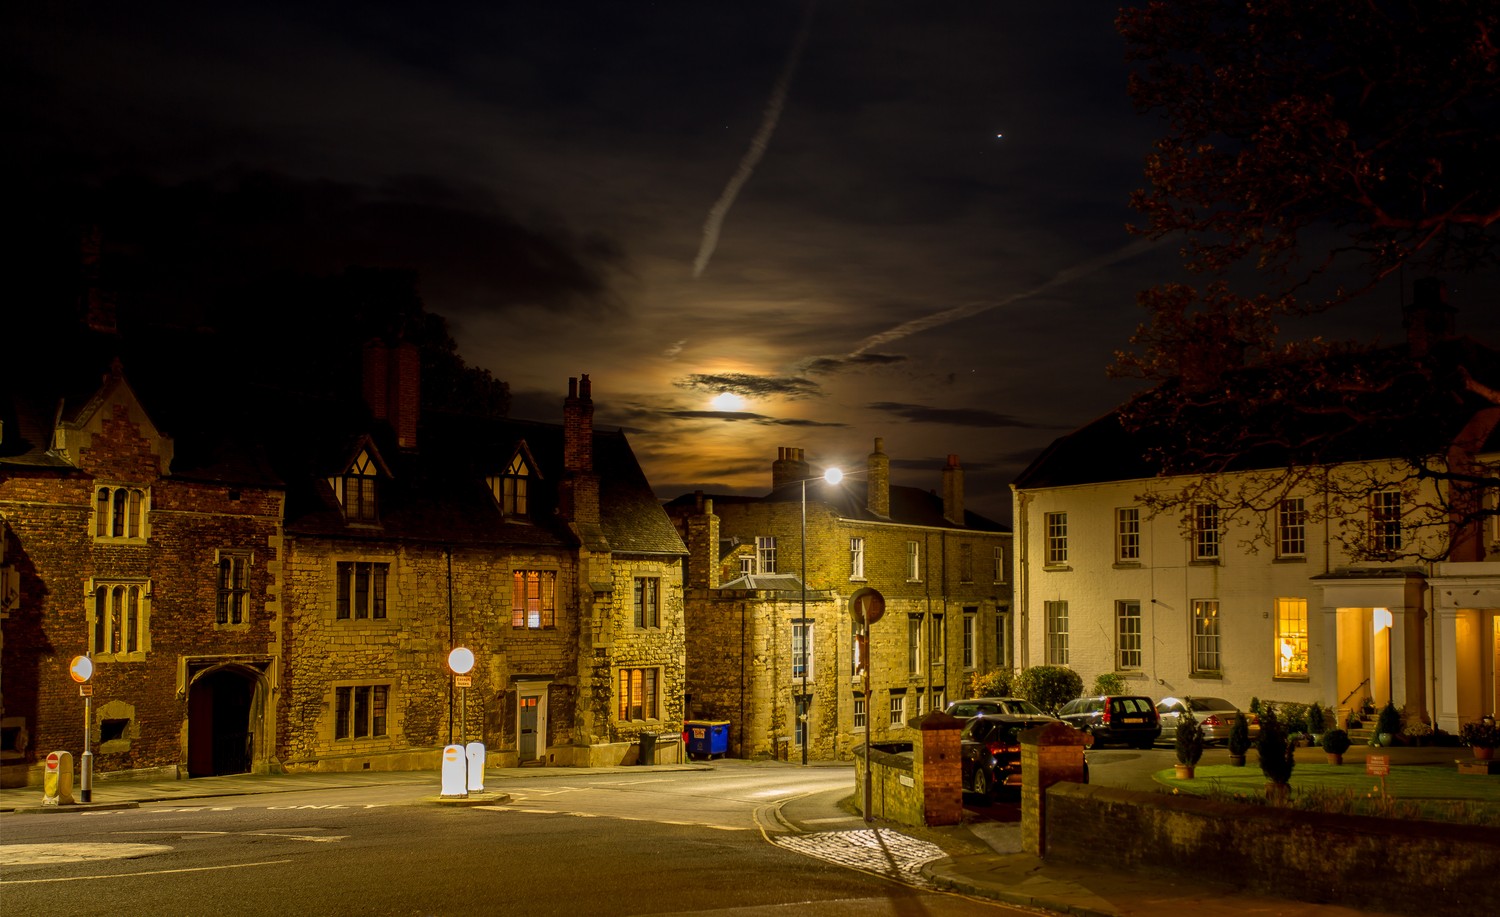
706 738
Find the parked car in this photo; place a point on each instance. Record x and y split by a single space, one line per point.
1010 706
1125 719
990 750
1215 714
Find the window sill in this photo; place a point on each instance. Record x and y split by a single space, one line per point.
1207 676
1128 565
1291 678
1056 568
1205 562
1291 559
858 579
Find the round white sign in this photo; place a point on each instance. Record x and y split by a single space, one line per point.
461 660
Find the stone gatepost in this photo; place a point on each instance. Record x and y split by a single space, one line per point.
1049 754
939 768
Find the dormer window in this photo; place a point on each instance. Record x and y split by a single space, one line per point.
510 489
356 489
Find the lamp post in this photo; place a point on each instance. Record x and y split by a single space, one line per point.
831 476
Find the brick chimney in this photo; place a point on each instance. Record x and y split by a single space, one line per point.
953 491
580 486
393 387
703 544
879 476
789 467
1429 318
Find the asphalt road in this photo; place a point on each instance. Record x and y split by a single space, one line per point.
668 843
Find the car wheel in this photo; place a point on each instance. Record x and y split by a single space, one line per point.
1145 743
981 783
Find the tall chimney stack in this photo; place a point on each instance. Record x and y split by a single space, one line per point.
953 491
579 486
392 381
789 467
879 475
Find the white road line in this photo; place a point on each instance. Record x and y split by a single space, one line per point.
133 875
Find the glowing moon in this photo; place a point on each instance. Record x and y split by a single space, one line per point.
727 401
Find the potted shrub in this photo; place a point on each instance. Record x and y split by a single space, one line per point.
1482 736
1239 740
1189 745
1335 743
1277 755
1388 725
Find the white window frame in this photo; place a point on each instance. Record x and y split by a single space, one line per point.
860 711
1056 532
1206 538
1001 569
898 710
1207 639
765 554
856 557
1129 638
1291 642
1057 632
1291 528
1128 535
913 644
913 561
1385 521
970 621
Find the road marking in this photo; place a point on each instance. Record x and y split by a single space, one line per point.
299 837
133 875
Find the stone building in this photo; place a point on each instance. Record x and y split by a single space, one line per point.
278 586
539 547
779 664
158 559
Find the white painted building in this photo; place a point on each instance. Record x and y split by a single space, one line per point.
1267 604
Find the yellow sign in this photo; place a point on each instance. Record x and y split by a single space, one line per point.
464 681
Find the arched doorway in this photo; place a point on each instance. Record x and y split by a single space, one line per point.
221 724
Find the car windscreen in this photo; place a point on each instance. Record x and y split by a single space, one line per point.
1023 708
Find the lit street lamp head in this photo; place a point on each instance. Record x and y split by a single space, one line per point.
833 475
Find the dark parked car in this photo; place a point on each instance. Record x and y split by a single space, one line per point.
1118 720
1215 714
990 750
1013 706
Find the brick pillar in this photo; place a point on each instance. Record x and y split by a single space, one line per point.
938 766
1049 754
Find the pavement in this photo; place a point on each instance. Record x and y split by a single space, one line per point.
982 857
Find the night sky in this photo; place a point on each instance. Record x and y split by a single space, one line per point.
863 219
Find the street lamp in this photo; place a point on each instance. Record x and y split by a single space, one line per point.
831 476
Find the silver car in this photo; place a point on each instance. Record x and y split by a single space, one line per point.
1215 714
990 706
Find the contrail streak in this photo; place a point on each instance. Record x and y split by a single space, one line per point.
752 156
948 316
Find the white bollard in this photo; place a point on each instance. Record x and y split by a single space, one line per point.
475 752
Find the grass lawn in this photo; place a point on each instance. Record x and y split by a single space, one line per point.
1428 792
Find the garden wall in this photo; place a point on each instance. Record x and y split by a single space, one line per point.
1424 868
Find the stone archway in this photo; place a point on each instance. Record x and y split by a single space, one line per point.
226 734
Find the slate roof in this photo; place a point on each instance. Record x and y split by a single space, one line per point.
297 440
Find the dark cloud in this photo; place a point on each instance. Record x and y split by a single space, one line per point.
958 417
188 241
751 386
852 361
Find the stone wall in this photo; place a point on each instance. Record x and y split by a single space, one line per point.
1411 867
